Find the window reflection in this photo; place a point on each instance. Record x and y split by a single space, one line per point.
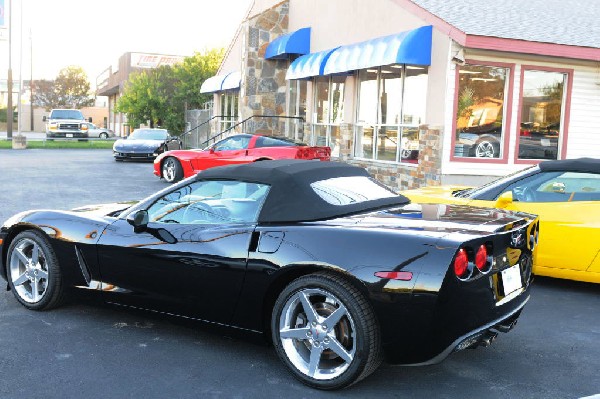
351 190
541 111
480 111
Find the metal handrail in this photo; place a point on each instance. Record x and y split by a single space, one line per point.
207 121
218 135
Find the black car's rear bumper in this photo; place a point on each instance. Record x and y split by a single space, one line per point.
482 336
67 135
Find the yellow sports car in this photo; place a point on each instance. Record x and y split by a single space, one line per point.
566 196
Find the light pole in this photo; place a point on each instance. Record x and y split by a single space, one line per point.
9 110
19 102
31 78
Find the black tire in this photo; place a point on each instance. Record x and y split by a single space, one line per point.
22 277
171 170
103 135
356 332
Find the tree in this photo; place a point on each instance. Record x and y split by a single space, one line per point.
160 96
70 89
148 98
192 73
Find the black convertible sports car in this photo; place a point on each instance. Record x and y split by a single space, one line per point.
337 269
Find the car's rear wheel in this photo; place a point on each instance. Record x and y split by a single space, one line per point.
487 149
34 274
325 331
103 135
171 170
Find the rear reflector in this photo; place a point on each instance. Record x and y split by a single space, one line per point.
1 240
403 276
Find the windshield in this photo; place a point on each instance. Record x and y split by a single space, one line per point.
477 192
66 114
148 134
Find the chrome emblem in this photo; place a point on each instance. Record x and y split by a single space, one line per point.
517 239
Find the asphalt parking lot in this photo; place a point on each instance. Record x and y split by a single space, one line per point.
87 349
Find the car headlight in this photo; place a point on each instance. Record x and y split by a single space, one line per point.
52 126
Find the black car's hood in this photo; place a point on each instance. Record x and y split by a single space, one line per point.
137 145
112 209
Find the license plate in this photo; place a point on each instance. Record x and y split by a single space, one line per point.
511 279
68 135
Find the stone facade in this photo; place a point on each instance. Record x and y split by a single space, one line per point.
426 172
263 86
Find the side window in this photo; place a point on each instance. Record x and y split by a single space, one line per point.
557 187
233 143
210 202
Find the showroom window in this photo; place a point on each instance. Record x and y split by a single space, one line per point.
329 111
229 109
541 113
391 106
297 108
481 123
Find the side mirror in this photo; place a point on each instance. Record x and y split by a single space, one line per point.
44 118
211 150
90 119
505 199
139 220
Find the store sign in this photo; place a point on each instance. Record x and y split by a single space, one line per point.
140 60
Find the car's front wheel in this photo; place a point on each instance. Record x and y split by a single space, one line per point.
34 274
172 171
325 331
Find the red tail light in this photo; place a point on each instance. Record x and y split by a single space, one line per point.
303 153
481 258
461 263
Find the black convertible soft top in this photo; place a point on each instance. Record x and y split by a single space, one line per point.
583 165
291 198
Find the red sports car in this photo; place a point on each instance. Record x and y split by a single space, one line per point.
242 148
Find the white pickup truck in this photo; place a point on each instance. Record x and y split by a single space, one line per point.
66 123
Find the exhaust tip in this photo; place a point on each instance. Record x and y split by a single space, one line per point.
488 338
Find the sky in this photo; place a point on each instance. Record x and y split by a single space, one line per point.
93 34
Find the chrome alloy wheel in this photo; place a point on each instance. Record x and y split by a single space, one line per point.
169 169
317 334
29 271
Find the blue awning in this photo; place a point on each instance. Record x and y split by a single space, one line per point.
297 42
410 47
212 84
221 82
308 65
232 81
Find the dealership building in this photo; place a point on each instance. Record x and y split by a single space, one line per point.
420 91
111 82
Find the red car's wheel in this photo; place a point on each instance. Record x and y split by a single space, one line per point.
172 171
